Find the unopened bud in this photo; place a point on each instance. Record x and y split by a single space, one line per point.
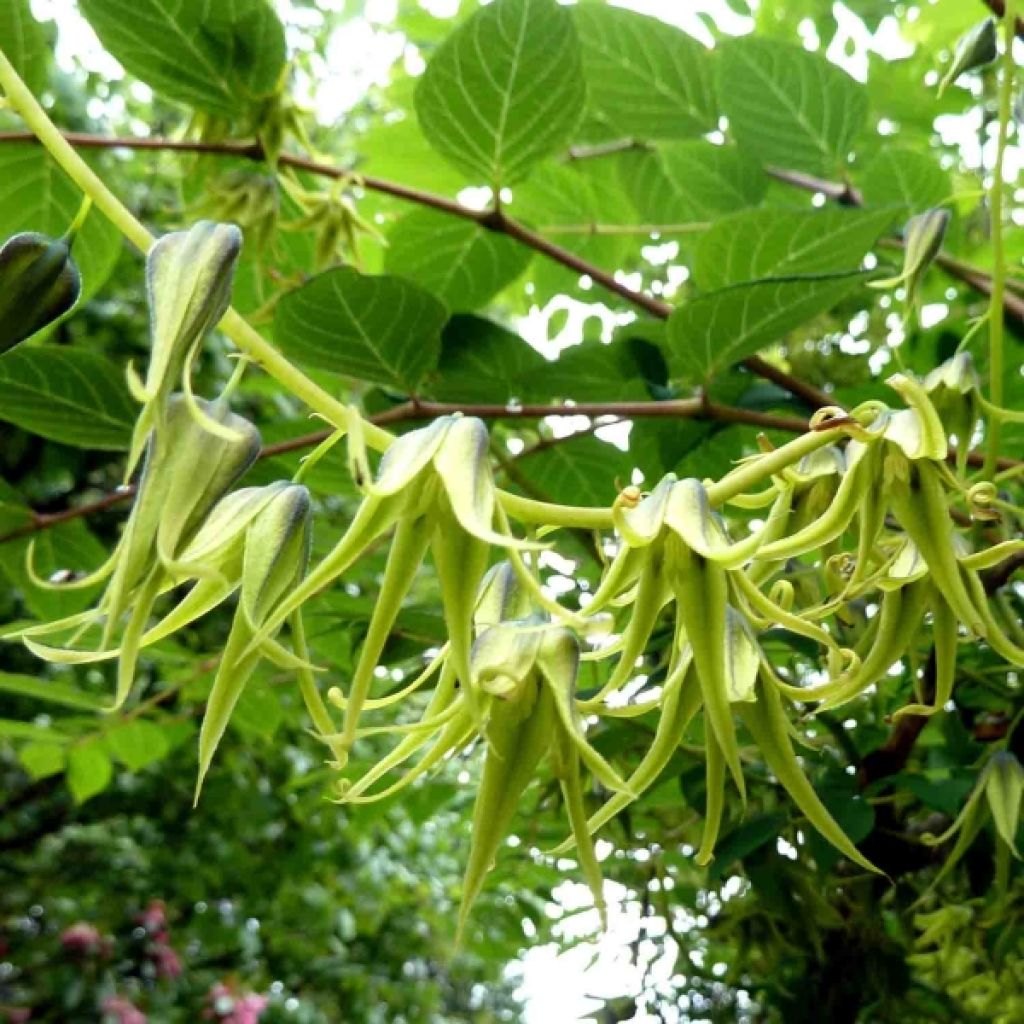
974 49
39 283
922 240
1004 786
277 547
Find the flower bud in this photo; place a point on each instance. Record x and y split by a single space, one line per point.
922 240
39 283
277 549
188 284
974 49
1004 786
187 471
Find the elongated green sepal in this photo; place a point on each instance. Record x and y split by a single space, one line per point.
766 721
715 800
519 733
1004 787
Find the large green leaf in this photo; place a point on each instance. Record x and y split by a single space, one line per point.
67 395
763 243
905 177
36 195
463 264
789 107
217 57
483 362
716 330
505 90
688 182
24 43
645 79
380 329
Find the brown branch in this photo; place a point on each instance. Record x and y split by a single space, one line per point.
416 409
998 7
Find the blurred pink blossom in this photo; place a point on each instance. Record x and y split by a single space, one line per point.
228 1008
119 1010
82 939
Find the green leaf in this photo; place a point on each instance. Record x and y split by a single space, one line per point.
905 177
462 263
67 395
716 330
789 107
67 546
504 91
559 197
137 743
744 840
645 79
258 712
216 57
764 243
688 182
27 731
48 690
25 44
379 329
42 759
482 362
592 372
89 770
36 195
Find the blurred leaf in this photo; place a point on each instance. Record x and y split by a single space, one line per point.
49 690
744 840
483 362
137 743
42 759
25 44
577 471
218 58
89 770
789 107
905 177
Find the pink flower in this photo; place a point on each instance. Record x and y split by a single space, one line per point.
154 919
119 1010
81 939
228 1008
168 963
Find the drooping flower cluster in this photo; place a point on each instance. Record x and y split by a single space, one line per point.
870 542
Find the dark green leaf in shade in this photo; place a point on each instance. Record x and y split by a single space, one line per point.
68 395
462 263
380 329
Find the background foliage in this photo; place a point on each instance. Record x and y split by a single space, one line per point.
675 216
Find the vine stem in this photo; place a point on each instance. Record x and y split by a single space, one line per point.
996 326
